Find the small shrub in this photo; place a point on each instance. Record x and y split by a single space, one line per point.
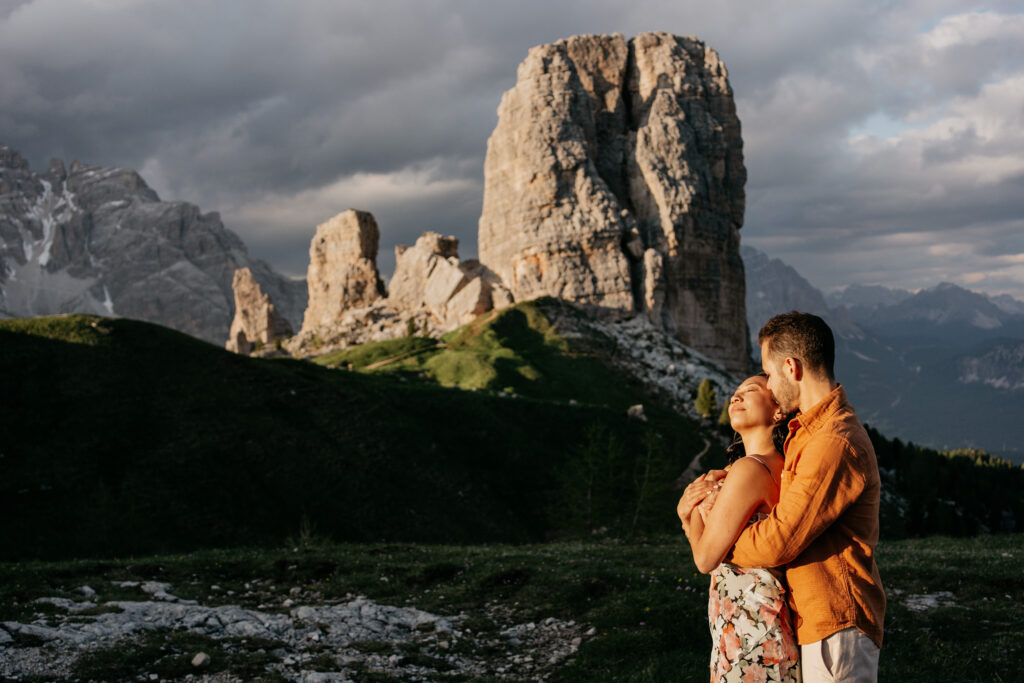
706 404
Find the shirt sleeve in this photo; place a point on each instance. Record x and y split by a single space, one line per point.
825 482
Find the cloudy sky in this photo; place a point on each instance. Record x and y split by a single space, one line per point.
884 141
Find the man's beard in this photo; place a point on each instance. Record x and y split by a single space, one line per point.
787 396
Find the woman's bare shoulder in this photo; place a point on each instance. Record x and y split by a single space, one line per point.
748 469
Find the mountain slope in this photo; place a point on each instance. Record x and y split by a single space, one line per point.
121 436
774 287
99 240
549 349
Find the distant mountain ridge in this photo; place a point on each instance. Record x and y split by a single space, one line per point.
943 367
774 287
863 299
961 315
99 240
946 303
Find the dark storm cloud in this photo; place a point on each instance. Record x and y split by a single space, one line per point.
279 98
876 134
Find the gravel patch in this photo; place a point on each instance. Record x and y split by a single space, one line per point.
347 637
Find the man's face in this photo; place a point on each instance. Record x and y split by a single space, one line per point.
784 388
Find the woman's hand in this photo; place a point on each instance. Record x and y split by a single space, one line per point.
704 507
693 494
715 478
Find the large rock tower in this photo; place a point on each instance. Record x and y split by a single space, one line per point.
615 178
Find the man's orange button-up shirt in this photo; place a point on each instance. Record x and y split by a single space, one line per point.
825 527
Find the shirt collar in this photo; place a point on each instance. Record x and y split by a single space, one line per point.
820 412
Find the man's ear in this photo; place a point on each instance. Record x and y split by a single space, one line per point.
795 368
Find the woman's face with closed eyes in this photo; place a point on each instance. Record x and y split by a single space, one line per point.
752 405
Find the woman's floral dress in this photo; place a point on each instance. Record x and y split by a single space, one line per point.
751 627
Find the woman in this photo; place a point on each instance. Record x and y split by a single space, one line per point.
751 628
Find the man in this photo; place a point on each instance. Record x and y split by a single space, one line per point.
825 527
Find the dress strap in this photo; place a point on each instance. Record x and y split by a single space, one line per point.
765 465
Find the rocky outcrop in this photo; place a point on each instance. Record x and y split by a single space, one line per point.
431 263
342 268
431 292
615 178
429 275
257 323
97 240
550 224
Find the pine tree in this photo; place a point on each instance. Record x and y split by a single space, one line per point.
723 418
706 405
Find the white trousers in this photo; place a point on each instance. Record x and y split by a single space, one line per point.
847 656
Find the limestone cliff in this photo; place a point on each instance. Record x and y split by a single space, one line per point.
615 178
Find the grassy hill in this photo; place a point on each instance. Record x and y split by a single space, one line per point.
125 437
121 437
514 351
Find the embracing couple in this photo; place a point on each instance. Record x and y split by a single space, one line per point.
788 531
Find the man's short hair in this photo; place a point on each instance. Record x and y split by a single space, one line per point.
803 336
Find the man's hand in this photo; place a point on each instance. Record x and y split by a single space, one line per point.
716 475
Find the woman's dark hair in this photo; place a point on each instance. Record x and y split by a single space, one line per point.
780 431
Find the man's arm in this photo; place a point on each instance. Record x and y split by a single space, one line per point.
826 480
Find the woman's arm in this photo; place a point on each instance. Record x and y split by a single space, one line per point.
694 526
742 492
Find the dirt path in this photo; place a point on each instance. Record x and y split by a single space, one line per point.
403 356
693 470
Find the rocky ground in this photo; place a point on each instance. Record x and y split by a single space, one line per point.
663 364
299 638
